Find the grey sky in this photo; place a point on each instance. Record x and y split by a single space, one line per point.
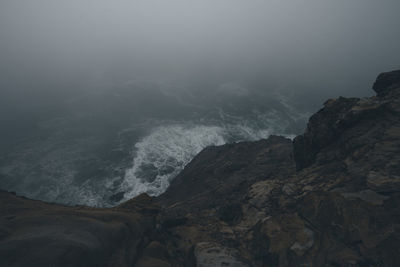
306 38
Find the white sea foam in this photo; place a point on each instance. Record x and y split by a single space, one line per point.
158 156
162 154
165 152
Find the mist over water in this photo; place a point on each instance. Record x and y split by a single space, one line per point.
103 100
109 146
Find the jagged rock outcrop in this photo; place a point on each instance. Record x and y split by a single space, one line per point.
329 198
387 82
340 208
344 120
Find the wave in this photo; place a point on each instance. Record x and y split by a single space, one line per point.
147 155
161 155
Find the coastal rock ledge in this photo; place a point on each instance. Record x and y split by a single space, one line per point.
330 197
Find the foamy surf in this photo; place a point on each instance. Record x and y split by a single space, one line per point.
161 155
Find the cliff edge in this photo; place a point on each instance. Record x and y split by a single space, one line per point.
330 197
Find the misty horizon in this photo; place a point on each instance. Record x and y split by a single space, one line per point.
157 38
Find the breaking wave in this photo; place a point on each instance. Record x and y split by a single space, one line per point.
77 166
161 155
164 153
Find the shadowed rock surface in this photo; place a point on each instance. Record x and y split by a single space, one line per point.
33 233
329 198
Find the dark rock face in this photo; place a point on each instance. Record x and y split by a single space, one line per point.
329 198
340 208
33 233
220 174
323 128
344 119
386 82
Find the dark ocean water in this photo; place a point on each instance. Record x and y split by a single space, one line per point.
104 146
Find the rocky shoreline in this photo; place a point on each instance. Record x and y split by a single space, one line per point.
329 198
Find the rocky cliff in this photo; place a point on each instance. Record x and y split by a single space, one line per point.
329 198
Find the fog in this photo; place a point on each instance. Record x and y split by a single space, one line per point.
47 39
92 77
